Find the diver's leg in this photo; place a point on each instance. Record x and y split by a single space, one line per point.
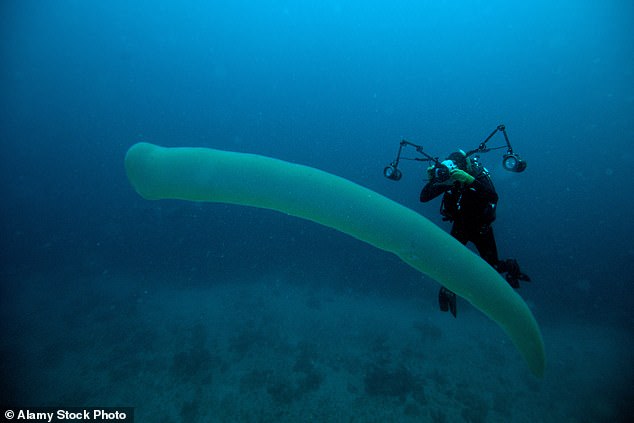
447 298
460 233
484 241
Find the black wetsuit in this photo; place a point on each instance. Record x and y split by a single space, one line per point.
471 209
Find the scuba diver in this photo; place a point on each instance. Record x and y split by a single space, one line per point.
469 201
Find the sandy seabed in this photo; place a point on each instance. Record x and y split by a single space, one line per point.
275 350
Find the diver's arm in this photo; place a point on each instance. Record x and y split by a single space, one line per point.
432 190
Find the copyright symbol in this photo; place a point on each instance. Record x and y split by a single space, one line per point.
9 414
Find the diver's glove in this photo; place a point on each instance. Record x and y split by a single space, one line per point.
461 176
430 172
513 273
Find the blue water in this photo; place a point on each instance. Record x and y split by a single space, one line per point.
209 312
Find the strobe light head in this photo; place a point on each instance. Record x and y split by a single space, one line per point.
392 172
513 163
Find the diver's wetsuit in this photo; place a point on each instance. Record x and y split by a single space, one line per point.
471 209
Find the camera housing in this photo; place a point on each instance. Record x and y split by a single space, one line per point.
442 171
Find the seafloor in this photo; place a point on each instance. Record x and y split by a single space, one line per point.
280 350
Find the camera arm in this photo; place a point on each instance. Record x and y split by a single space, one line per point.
419 149
511 161
502 128
392 171
482 148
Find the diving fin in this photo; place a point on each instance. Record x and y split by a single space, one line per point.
447 300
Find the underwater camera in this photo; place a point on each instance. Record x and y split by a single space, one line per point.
441 171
